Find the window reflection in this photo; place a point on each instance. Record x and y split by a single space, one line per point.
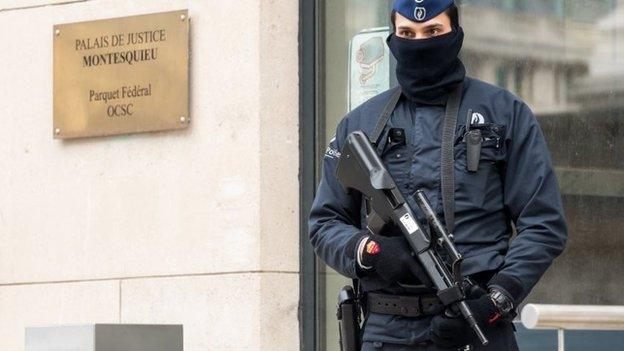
566 59
355 68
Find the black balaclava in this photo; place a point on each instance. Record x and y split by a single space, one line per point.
428 69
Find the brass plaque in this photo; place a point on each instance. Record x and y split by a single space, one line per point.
121 75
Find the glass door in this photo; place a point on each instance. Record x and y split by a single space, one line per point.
354 66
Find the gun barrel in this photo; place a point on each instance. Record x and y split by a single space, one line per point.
467 314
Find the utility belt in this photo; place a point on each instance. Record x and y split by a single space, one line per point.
421 302
353 303
350 307
405 306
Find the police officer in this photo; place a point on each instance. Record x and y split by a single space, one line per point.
503 183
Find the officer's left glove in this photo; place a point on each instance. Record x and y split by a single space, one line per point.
454 332
392 259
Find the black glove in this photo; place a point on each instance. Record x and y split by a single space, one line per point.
454 332
391 258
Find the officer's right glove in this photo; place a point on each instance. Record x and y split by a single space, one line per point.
391 258
453 332
450 332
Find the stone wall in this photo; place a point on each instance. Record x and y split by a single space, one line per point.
196 227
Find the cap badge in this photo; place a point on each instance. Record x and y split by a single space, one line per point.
420 13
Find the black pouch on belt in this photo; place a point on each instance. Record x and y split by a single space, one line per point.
348 320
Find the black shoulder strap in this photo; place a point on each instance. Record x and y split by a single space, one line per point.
385 115
447 173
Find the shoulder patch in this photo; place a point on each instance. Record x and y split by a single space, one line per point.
332 149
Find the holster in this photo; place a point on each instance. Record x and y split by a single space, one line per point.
348 314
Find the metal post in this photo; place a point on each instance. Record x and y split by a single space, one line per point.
572 317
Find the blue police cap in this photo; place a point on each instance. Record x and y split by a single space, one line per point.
421 10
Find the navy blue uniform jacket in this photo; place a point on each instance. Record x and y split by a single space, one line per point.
515 185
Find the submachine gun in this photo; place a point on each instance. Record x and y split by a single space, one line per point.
361 169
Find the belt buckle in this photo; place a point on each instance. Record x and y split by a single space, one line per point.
417 308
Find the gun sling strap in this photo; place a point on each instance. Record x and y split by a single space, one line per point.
447 175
